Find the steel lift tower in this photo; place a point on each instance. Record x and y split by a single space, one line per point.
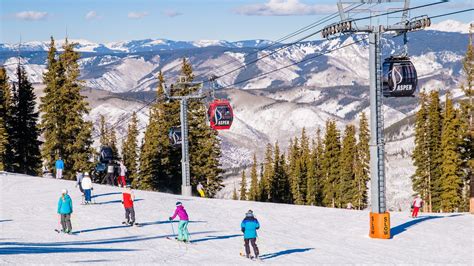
379 217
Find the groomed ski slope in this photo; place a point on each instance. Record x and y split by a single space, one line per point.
289 234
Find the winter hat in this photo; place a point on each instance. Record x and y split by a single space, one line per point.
64 191
249 213
128 186
179 203
86 174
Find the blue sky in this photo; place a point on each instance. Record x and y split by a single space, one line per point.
116 20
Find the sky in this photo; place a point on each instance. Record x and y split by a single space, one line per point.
105 21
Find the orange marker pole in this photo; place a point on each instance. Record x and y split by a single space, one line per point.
380 225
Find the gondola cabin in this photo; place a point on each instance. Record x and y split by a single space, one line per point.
175 136
220 114
399 77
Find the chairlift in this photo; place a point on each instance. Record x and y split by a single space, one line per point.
399 77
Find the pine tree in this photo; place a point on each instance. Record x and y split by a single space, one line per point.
243 187
63 109
451 167
130 149
4 106
253 192
434 124
346 186
295 171
420 152
330 163
103 131
468 107
267 175
234 194
154 157
361 168
24 131
280 191
112 138
314 193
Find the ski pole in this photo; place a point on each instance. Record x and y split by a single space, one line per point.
172 227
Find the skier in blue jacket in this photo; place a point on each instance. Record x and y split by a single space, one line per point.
59 168
249 227
65 211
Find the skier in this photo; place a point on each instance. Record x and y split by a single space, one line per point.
109 178
59 168
65 211
127 200
200 189
416 205
121 179
183 234
249 227
79 177
87 186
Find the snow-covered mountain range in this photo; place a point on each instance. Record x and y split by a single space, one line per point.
272 107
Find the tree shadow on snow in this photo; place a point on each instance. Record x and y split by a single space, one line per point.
403 227
167 222
47 250
114 201
208 238
6 220
88 261
284 252
105 194
9 248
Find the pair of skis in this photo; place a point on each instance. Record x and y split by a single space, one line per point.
242 254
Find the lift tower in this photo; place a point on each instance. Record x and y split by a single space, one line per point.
183 83
379 217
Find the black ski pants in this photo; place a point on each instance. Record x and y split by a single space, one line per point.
252 241
66 222
130 215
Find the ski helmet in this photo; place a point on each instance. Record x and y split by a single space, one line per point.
179 203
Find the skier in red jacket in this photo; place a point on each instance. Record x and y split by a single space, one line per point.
416 205
128 198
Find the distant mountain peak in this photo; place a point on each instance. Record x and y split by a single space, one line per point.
450 25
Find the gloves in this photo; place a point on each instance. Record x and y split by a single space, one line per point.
122 201
92 188
170 218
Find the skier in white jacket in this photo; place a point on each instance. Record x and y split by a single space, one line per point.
87 186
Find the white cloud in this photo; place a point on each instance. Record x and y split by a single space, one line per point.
284 8
92 15
31 15
137 15
172 13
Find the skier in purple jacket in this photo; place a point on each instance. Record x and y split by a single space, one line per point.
183 234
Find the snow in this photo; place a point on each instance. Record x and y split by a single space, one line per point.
289 234
450 25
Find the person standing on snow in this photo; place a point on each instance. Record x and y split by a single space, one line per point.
200 190
59 168
79 177
127 200
109 178
121 179
249 227
87 186
65 211
416 205
183 234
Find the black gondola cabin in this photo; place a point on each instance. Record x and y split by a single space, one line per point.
399 77
175 135
220 114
